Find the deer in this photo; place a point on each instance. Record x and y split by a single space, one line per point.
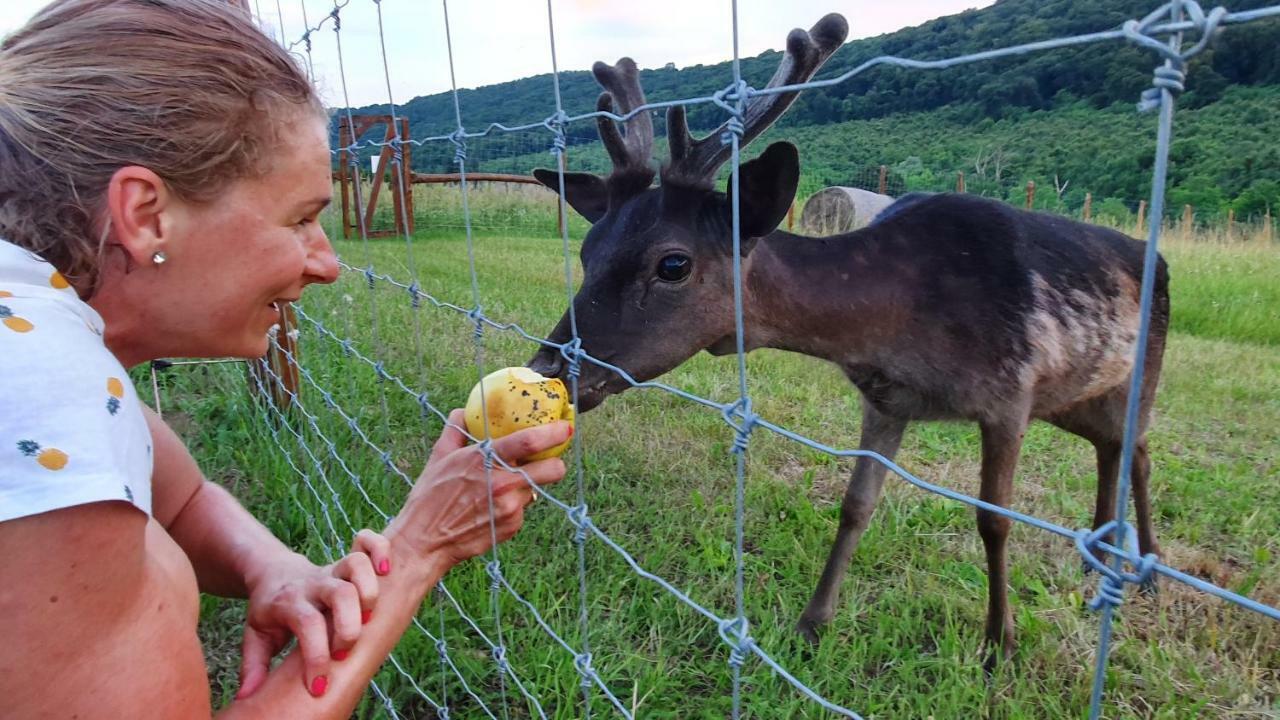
948 307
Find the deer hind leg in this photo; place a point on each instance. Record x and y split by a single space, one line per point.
1101 422
1108 475
1109 456
1001 443
882 434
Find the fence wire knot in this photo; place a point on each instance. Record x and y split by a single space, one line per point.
733 127
386 460
369 277
442 649
556 124
381 371
737 635
743 420
415 295
442 713
732 94
494 569
424 402
1172 76
486 450
459 139
500 657
337 21
1111 587
578 516
476 315
572 352
582 662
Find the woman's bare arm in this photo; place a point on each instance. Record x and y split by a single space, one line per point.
98 605
98 613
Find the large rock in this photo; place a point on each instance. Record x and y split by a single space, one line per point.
841 209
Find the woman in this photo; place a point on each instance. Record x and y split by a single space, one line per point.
162 167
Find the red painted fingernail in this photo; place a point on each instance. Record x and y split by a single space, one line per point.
570 431
340 654
319 685
384 567
364 617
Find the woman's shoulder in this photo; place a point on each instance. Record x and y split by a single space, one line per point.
72 430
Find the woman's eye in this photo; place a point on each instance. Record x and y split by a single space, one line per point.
674 268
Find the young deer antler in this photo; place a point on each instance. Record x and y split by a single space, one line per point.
696 162
629 152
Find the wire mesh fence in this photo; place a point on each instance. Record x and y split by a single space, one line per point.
383 323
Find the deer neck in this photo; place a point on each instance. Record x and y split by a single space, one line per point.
829 298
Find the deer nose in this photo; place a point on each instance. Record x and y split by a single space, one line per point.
548 362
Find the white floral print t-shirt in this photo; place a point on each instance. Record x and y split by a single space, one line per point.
71 427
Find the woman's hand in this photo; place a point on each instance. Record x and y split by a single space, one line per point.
446 515
324 607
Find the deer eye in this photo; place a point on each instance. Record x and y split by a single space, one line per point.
674 268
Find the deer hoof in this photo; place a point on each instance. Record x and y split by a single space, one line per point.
995 655
1149 587
808 629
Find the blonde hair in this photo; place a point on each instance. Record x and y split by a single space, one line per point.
187 88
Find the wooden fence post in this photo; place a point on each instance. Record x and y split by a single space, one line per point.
1142 213
1266 227
1187 217
960 181
1088 207
1231 222
884 180
281 377
1031 193
564 164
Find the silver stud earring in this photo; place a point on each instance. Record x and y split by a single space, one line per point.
158 258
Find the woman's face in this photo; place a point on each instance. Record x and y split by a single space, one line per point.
235 259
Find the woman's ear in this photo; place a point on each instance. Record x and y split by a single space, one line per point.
139 209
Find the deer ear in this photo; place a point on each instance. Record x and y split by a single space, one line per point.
768 186
584 192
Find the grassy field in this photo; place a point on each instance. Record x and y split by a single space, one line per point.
659 480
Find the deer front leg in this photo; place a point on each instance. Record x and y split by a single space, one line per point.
1001 443
882 434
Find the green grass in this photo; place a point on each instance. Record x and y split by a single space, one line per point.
659 480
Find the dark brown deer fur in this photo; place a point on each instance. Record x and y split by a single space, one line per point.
947 307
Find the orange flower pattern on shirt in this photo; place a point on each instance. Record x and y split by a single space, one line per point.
13 322
115 389
58 282
49 458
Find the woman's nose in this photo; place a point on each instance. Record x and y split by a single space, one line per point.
322 262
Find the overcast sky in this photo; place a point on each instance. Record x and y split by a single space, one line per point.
499 40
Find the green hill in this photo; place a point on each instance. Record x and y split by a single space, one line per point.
1065 113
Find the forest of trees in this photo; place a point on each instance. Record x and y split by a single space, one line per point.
1063 118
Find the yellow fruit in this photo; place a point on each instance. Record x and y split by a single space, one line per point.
115 388
57 281
517 398
53 459
18 324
